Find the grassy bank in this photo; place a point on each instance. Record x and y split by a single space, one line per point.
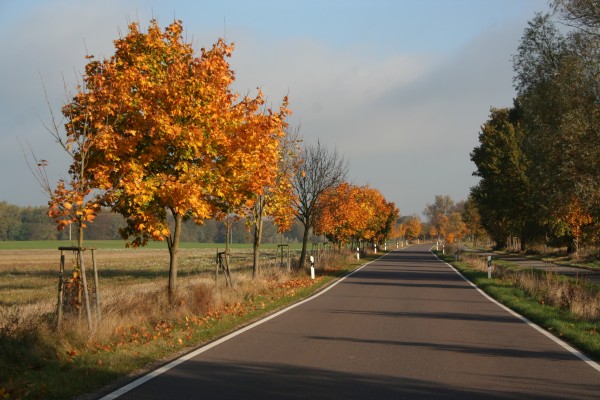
140 329
530 293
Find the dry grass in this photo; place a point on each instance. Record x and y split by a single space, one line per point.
132 282
578 296
138 322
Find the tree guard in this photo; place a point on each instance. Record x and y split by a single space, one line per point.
78 266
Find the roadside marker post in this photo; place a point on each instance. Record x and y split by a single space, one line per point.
358 253
312 267
489 265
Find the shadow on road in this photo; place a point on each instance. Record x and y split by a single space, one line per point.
196 380
485 351
435 315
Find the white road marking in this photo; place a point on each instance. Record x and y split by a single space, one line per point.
174 363
538 328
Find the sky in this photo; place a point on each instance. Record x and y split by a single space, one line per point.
399 87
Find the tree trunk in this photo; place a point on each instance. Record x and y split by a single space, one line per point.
256 245
304 245
79 233
173 243
228 240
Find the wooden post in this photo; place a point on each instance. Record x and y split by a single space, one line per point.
59 304
85 290
280 247
228 280
217 266
96 289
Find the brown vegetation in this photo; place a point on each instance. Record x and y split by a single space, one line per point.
576 295
139 324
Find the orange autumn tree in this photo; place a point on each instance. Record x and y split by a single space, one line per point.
391 213
400 230
250 165
458 229
340 215
163 122
275 199
576 217
348 212
413 227
380 215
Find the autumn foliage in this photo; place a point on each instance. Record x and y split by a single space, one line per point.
166 135
354 213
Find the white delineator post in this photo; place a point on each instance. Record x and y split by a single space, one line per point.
312 267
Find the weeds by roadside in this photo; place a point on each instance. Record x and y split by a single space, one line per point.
568 308
576 295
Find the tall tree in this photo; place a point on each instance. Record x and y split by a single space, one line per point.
321 169
472 220
347 212
168 136
558 87
340 214
275 199
442 206
413 227
581 14
502 194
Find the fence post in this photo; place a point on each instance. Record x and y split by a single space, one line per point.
59 305
96 289
85 289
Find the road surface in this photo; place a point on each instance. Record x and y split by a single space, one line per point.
404 326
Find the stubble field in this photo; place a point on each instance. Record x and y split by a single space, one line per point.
29 277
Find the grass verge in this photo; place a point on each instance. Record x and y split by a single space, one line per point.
579 332
139 332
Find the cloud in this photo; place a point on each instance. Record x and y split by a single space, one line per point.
333 92
47 48
405 121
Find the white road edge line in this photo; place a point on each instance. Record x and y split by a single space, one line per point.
174 363
538 328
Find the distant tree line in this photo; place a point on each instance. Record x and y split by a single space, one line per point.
539 161
33 223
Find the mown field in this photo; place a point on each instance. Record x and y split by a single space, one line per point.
29 270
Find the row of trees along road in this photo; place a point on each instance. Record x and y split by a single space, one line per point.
450 221
539 161
156 134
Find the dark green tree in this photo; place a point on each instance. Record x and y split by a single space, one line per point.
10 221
559 90
502 194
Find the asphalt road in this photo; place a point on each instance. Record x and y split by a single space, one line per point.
405 326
